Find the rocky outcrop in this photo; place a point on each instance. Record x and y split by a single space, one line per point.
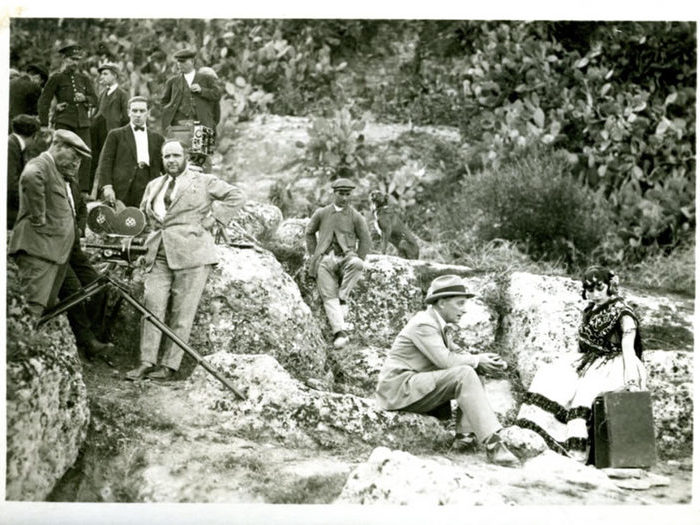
541 323
399 478
257 219
47 406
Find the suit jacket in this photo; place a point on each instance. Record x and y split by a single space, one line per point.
45 225
118 159
177 96
113 108
63 86
422 346
348 226
184 231
15 165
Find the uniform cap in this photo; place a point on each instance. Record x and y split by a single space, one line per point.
74 141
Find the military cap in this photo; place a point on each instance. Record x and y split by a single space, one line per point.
184 54
74 141
114 68
70 48
343 184
25 125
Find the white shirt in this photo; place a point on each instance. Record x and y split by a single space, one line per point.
141 138
111 89
158 202
22 144
189 77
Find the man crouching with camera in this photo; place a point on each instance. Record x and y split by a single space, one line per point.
181 252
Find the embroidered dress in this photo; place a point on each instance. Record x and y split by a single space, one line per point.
558 404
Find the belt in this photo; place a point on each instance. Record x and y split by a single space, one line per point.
142 166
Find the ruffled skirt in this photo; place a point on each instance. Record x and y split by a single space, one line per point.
559 402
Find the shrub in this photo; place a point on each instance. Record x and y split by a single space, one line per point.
536 202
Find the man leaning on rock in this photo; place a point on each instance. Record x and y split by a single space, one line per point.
181 252
421 372
337 254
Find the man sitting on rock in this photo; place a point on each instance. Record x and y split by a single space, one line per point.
421 372
337 255
181 252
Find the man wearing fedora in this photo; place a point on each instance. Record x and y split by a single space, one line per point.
44 233
190 96
337 254
74 96
112 109
130 158
422 372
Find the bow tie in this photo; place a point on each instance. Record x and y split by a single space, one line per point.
139 128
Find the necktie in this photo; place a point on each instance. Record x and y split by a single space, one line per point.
168 192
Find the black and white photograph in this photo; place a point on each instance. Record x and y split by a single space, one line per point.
349 268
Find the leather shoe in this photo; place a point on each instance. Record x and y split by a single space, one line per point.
498 454
139 373
161 373
464 443
340 339
95 348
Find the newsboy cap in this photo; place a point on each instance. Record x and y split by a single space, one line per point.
114 68
446 286
184 54
343 184
69 138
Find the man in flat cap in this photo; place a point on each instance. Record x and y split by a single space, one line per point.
43 235
190 96
423 371
130 158
74 96
24 128
337 254
181 253
112 110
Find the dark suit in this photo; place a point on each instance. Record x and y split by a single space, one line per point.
63 86
43 235
118 164
112 112
15 165
179 103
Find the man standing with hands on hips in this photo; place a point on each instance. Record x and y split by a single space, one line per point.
337 255
422 372
181 252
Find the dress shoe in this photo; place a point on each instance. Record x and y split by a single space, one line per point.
498 454
140 372
162 373
340 339
465 443
97 349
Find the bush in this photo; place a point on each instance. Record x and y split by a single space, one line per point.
537 203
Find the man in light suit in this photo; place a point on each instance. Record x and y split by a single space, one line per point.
130 158
190 96
337 254
422 372
43 235
181 252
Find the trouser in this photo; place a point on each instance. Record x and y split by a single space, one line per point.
98 135
183 290
137 187
42 279
337 276
84 173
463 384
86 317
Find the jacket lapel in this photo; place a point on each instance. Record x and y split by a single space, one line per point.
131 141
183 187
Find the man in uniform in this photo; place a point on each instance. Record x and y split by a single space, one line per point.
130 158
24 128
190 96
44 233
337 254
181 252
422 372
74 96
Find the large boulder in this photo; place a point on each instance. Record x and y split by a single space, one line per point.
280 407
399 478
249 305
46 403
257 219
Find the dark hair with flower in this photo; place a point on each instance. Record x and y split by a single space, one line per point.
599 275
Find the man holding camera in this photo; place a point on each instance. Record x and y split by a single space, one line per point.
181 252
421 372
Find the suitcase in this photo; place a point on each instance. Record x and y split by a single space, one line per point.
623 430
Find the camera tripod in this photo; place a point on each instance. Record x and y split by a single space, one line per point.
104 281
